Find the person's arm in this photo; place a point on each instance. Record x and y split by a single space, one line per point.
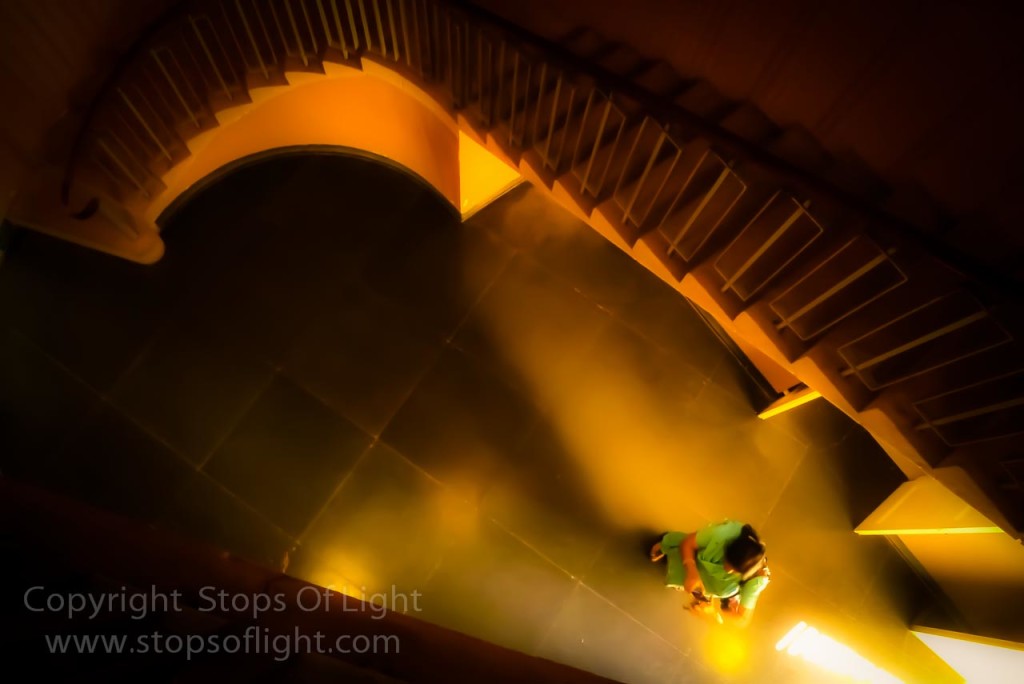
688 551
750 591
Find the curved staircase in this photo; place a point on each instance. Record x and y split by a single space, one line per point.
810 259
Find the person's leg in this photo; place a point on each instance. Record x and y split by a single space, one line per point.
676 572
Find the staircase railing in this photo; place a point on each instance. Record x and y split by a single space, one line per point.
772 227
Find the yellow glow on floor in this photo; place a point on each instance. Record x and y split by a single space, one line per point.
806 642
344 574
984 661
727 651
458 519
606 417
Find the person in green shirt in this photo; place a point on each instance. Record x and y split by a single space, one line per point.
724 561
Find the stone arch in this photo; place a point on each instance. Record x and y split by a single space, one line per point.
373 111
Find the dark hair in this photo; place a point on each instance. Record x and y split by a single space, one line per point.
746 551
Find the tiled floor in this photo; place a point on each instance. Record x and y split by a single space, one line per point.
496 415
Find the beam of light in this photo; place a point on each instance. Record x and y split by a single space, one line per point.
806 642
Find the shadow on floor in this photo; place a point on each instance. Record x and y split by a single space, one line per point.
329 371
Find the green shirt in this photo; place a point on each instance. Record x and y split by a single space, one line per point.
711 543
